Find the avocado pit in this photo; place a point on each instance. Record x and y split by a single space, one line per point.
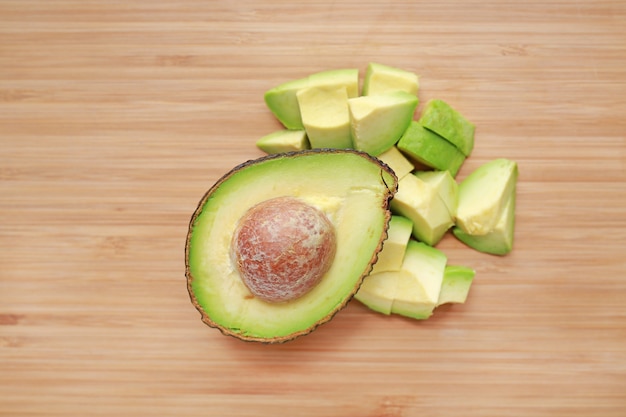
282 247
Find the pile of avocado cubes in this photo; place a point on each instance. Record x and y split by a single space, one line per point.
411 277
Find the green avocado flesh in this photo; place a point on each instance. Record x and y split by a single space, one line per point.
430 149
439 117
499 241
457 281
351 188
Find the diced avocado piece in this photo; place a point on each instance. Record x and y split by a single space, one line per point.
397 162
380 79
283 103
499 241
398 235
420 202
430 149
345 77
483 195
414 290
427 265
378 121
410 298
352 189
417 291
282 99
457 281
325 116
447 188
378 290
439 117
284 140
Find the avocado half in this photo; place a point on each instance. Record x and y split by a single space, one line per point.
352 188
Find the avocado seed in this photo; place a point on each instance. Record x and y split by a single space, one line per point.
282 247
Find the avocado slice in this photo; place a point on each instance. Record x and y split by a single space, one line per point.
378 291
284 140
397 161
380 78
447 188
283 103
430 149
439 117
427 265
398 235
483 195
351 188
419 201
457 280
325 116
282 99
498 241
344 77
377 122
412 291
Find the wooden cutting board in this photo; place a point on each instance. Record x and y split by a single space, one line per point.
116 117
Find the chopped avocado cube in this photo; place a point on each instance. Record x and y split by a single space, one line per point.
427 265
430 149
439 117
414 290
378 291
397 162
398 235
483 195
456 284
417 291
283 141
498 241
283 102
447 188
378 122
410 298
348 78
380 79
420 202
325 116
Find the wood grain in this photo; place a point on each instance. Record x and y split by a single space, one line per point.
115 117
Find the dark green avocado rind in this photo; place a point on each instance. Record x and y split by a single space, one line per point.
215 289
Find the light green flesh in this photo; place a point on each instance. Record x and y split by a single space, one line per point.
441 118
500 240
397 162
348 78
282 99
381 79
483 195
398 235
427 265
414 290
350 188
325 116
378 291
411 299
447 188
419 201
283 103
430 149
284 141
457 281
378 121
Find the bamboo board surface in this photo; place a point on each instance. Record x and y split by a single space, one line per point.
115 118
